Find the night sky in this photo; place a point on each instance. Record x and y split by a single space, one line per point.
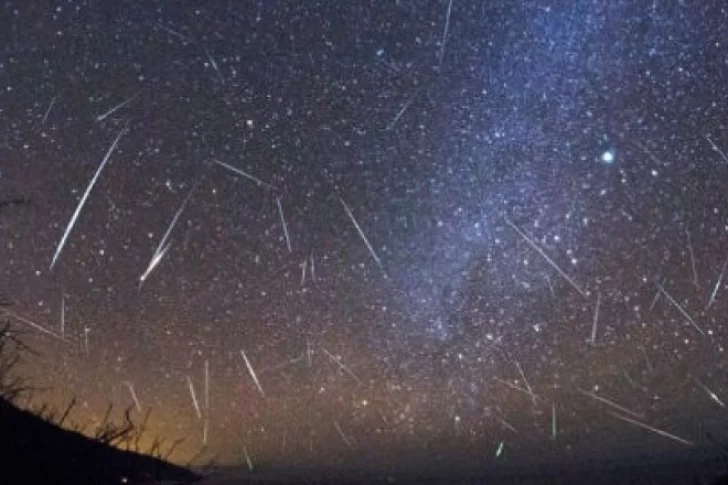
345 234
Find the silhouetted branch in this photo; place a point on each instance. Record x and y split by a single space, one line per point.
141 430
154 449
112 434
175 444
70 406
195 456
11 348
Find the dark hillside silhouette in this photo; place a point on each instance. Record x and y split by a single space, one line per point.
35 449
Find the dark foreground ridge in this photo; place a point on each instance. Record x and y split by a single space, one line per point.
34 450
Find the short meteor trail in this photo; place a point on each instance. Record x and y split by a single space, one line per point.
696 281
245 174
113 110
712 395
717 149
252 373
362 235
717 285
336 360
134 397
195 402
546 257
343 437
525 382
593 339
284 224
680 309
50 107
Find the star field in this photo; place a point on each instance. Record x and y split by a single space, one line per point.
371 234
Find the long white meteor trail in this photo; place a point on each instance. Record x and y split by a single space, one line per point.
81 203
362 235
246 175
545 256
164 245
252 373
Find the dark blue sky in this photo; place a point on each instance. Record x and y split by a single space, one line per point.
426 224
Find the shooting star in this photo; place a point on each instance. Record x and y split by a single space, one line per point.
507 425
313 270
30 323
304 264
134 397
692 259
103 116
343 436
156 259
163 245
656 298
175 33
717 149
362 235
499 450
86 331
596 320
399 114
81 203
713 396
247 458
195 403
215 66
525 381
285 225
680 308
444 35
252 373
177 214
48 111
717 285
610 403
515 387
245 174
337 361
654 430
546 257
